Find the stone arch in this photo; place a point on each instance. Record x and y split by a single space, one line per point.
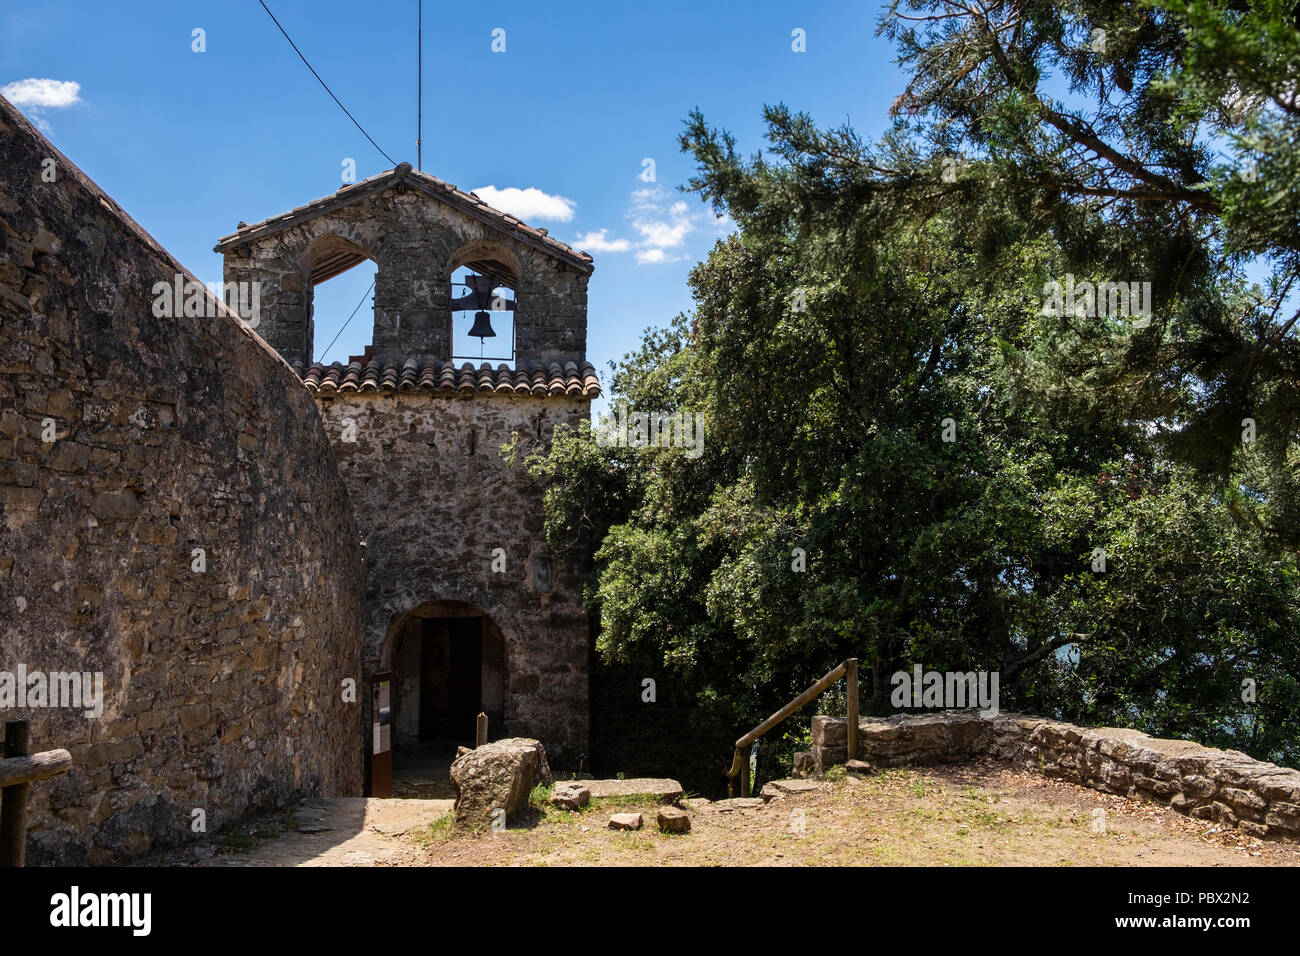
486 255
327 255
431 650
331 254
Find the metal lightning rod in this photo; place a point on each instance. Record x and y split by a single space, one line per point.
419 83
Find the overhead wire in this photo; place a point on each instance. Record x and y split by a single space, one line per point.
349 319
324 84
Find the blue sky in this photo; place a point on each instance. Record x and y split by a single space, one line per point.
190 143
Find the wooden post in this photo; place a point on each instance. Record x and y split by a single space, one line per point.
13 804
481 730
851 681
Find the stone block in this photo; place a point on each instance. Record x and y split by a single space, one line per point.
673 820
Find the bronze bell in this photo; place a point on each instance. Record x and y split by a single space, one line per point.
482 326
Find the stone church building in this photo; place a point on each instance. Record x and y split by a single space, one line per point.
212 547
464 605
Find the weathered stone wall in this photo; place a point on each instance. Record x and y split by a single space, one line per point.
221 688
416 242
1224 785
434 498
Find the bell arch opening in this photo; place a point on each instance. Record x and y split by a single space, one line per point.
483 283
340 276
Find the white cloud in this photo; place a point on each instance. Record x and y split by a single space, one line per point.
599 242
528 204
653 256
662 233
647 198
42 94
662 224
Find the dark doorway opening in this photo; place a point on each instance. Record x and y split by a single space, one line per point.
448 663
451 678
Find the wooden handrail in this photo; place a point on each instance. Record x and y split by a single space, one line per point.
41 766
18 770
847 669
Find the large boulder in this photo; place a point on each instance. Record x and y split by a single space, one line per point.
499 775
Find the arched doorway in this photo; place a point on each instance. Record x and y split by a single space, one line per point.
448 664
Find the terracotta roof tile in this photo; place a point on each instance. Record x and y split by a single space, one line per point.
408 374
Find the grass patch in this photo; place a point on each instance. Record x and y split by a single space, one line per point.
439 831
239 842
643 801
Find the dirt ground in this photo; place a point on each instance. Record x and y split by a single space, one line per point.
969 816
982 814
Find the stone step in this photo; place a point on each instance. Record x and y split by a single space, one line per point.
780 789
739 803
663 789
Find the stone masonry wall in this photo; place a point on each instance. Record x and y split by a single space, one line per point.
434 498
222 689
1223 785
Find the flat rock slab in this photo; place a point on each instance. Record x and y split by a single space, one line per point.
779 789
663 789
739 803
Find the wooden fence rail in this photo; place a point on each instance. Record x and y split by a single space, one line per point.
845 669
18 770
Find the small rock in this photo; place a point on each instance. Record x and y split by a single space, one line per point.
570 796
858 766
626 821
672 820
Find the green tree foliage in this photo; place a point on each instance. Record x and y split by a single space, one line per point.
1152 142
906 461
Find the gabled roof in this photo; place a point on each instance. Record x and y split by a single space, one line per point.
467 203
